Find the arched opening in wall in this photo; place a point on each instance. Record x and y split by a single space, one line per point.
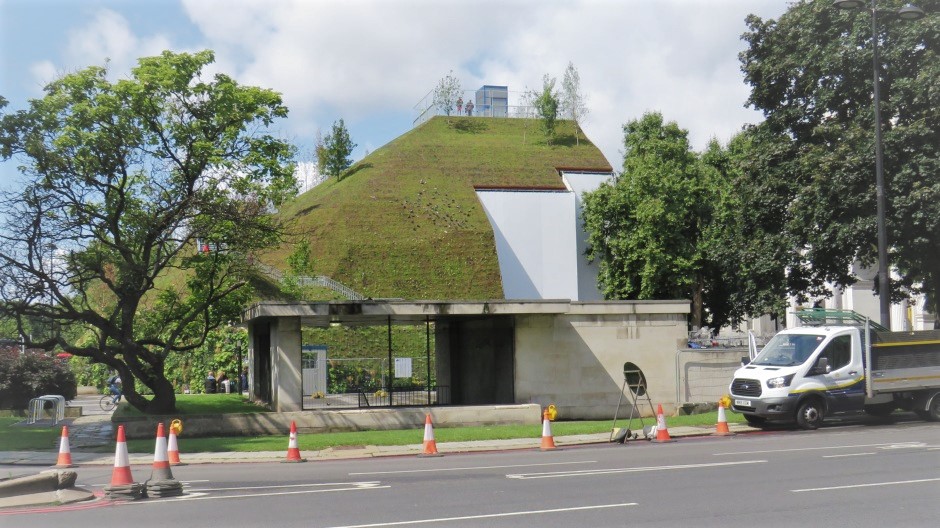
634 378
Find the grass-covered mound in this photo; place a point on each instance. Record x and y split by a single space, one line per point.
405 221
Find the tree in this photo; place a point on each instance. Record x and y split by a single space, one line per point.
319 149
446 93
648 227
338 146
572 100
144 200
546 106
810 73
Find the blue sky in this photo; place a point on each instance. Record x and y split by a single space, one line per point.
370 62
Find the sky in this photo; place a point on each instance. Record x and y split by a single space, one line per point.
369 62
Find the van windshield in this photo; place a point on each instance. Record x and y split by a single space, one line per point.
786 350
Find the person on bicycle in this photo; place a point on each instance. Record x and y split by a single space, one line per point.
114 387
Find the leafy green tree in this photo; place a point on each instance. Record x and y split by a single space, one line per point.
810 72
572 100
338 147
649 228
144 201
546 106
446 93
299 264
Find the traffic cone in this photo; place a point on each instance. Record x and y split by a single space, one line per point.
173 450
161 482
121 475
430 446
662 433
65 454
548 441
122 485
293 452
721 429
161 464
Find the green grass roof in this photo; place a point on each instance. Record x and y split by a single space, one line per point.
405 222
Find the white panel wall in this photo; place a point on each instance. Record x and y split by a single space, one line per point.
540 240
579 183
535 242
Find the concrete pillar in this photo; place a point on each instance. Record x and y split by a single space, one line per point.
286 376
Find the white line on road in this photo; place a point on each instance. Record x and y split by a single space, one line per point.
310 485
202 496
490 516
470 468
847 455
873 484
592 472
896 445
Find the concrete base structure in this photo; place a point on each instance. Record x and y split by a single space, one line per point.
337 421
567 353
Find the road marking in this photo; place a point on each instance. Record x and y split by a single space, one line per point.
490 516
847 455
873 484
592 472
892 445
202 495
282 486
470 468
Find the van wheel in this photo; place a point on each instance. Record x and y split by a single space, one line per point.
810 414
933 412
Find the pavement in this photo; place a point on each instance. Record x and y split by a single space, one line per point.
95 430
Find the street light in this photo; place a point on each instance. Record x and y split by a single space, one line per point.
908 12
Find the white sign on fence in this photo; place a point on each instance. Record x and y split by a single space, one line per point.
403 367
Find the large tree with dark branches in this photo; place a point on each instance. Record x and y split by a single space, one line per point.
142 202
810 72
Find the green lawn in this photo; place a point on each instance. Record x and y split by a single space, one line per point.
203 404
415 436
21 438
27 438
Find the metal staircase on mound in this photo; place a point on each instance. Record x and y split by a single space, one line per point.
319 280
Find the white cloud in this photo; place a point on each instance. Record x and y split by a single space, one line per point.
358 59
109 37
43 72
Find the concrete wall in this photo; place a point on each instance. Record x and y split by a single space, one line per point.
286 376
576 360
705 374
324 421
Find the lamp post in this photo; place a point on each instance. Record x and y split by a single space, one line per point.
908 12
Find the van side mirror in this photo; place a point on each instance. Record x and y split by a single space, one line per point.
745 360
822 366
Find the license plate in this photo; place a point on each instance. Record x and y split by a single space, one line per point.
742 403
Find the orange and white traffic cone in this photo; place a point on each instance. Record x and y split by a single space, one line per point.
293 452
173 450
121 474
122 483
548 441
161 482
430 446
662 433
721 429
161 463
65 454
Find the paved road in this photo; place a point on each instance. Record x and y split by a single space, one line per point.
852 475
